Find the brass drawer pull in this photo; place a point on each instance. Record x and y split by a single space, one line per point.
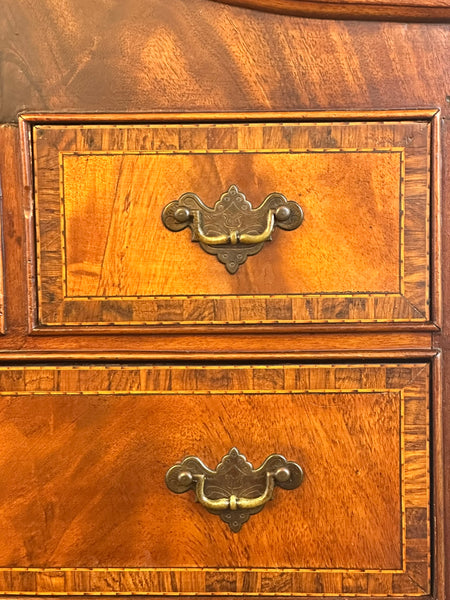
235 490
233 229
234 237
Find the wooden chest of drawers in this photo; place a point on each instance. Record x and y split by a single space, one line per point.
220 358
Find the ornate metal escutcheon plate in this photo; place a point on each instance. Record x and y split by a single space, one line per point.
233 229
235 490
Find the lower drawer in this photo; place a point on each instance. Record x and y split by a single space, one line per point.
85 509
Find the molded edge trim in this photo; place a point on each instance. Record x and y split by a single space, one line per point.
151 357
43 118
428 12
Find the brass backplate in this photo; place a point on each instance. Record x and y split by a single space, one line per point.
233 229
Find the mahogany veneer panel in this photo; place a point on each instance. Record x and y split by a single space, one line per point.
85 509
104 257
206 56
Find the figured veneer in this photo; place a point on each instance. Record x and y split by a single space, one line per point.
361 255
360 520
101 59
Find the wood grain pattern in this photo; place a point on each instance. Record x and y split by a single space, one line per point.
443 341
17 214
100 191
17 205
112 432
132 356
126 261
71 118
202 55
198 55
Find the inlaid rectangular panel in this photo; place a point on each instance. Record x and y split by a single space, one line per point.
105 257
84 507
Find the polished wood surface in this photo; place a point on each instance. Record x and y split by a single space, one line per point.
100 191
145 57
170 266
20 310
89 448
198 55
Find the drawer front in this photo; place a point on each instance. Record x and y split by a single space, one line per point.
104 256
85 508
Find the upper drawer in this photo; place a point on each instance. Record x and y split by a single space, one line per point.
104 255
